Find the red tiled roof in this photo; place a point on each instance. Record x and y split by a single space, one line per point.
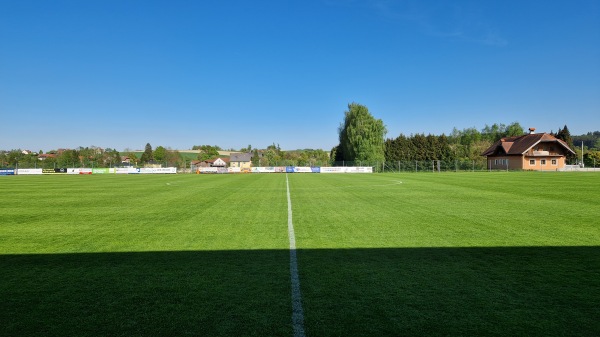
518 145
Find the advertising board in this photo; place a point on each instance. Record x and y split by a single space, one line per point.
347 169
127 170
332 169
208 170
29 171
359 169
262 169
54 171
302 169
7 172
165 170
103 170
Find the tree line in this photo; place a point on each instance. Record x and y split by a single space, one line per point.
362 138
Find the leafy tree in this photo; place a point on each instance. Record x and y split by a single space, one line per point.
361 135
255 158
336 154
160 153
247 149
208 152
113 157
591 158
173 158
68 158
133 158
147 155
514 129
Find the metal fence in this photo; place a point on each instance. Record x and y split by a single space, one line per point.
421 165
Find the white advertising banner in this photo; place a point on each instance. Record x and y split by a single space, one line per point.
158 170
127 170
166 170
347 169
29 171
234 170
263 169
359 169
333 169
79 171
208 170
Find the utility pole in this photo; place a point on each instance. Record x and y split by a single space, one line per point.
582 153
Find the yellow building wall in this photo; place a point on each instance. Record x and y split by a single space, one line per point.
539 165
523 163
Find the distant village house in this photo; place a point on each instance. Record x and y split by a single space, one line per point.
533 151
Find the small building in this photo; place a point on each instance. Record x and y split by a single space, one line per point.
218 162
46 156
215 162
533 151
241 160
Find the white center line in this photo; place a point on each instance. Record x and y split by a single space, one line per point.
297 313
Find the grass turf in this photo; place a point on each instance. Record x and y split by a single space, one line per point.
381 254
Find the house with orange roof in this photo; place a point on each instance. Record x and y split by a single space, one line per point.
532 151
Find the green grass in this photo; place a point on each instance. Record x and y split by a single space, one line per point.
381 254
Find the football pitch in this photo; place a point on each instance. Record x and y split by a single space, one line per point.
471 254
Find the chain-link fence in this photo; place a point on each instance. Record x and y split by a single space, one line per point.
421 165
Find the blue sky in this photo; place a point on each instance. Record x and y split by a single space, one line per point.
119 74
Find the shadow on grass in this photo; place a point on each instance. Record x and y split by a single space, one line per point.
528 291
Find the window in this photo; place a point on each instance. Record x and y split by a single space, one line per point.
531 161
553 161
543 161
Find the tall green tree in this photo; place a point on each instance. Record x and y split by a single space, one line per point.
208 152
159 153
514 129
361 135
147 155
565 135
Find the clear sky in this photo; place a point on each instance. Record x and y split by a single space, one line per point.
122 73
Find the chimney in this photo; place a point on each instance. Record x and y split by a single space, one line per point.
531 131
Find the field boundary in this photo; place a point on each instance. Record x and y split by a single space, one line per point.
297 312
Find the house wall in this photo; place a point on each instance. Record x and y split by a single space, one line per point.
241 164
543 163
219 162
501 162
523 163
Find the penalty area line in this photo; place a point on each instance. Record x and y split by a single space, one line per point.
297 312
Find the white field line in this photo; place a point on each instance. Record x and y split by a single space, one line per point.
297 313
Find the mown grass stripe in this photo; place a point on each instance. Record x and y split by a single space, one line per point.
297 313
